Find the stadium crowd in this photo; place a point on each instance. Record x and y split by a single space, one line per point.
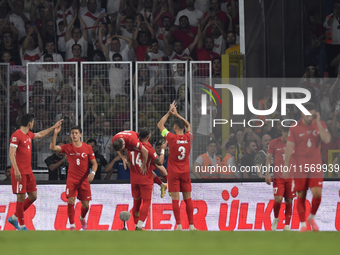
36 31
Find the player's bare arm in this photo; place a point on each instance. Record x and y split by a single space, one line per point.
94 170
324 134
145 155
163 120
161 157
193 170
12 151
45 132
161 169
53 145
268 160
288 154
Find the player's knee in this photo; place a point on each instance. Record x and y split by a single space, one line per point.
278 199
85 204
288 200
136 214
32 197
21 197
71 200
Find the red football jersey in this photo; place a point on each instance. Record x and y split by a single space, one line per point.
307 143
179 151
23 155
78 160
130 138
136 157
277 148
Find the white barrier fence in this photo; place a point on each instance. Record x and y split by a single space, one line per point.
217 207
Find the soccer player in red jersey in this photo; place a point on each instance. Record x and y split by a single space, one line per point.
22 177
128 140
307 136
78 179
282 187
142 182
178 164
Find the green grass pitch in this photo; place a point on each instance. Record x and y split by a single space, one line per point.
162 243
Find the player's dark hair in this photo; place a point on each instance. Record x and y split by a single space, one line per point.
285 129
210 142
27 118
178 41
184 16
91 140
77 127
309 106
152 41
131 18
117 55
249 142
144 132
117 144
179 123
227 146
76 44
48 56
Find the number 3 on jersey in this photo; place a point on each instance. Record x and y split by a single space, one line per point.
182 151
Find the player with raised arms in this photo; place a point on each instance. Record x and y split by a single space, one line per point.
22 177
282 187
178 164
78 179
307 136
142 183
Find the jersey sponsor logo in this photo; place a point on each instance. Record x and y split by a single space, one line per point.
309 132
77 154
14 139
71 154
182 142
301 134
279 149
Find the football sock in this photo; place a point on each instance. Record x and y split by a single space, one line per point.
301 208
144 210
303 224
157 180
83 212
70 212
277 207
315 205
27 203
20 213
135 209
175 208
288 213
190 210
140 224
311 216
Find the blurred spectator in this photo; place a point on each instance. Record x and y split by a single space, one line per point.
158 149
324 99
248 159
12 47
230 162
316 52
64 7
106 31
7 174
332 145
178 52
232 48
141 39
218 34
191 12
104 141
186 33
101 161
18 16
49 49
216 15
216 67
77 53
57 165
201 167
89 12
113 46
332 42
118 74
74 35
261 156
117 165
51 77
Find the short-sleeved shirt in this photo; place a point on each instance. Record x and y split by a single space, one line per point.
277 148
179 151
130 138
307 142
23 156
78 159
175 56
233 50
204 55
140 51
136 160
185 36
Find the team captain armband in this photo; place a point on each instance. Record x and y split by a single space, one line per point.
164 132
